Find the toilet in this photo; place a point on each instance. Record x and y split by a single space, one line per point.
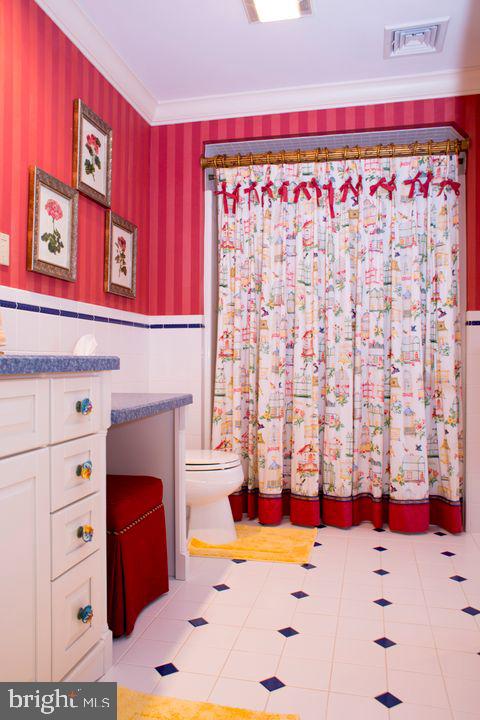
210 477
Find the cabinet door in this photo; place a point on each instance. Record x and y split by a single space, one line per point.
24 415
25 627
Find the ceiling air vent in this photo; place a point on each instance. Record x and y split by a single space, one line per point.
426 37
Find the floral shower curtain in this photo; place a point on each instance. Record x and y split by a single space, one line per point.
338 353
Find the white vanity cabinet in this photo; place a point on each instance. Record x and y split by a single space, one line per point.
52 516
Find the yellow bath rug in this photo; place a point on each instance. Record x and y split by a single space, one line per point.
134 705
257 542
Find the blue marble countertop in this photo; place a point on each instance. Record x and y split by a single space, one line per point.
35 364
134 406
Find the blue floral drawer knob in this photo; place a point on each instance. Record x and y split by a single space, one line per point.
85 532
85 470
85 614
84 406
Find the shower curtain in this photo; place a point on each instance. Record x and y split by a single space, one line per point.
338 353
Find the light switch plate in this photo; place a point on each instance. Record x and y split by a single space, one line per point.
4 249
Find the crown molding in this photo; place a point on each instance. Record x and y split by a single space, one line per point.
83 33
426 86
78 27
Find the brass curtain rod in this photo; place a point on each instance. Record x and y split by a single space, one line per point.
445 147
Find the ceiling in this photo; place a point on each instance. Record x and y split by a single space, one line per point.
201 58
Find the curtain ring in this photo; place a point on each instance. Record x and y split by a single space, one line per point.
251 158
448 147
283 157
298 156
378 149
325 150
429 147
238 160
392 149
317 155
269 158
358 152
345 148
215 165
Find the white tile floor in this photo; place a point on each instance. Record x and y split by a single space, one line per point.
331 667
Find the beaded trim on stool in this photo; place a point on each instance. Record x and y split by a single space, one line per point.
135 522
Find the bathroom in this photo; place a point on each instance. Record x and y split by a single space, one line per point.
207 342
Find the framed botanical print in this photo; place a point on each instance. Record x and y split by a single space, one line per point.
120 256
92 154
52 226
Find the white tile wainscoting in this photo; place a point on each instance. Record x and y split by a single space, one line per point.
152 358
172 359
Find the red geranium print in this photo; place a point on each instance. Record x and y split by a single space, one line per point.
53 209
94 143
93 162
121 256
54 238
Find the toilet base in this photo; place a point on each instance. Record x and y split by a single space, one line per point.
212 523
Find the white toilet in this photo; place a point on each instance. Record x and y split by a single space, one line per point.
211 475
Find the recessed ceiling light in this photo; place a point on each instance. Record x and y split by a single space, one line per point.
273 10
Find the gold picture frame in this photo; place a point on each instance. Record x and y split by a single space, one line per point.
120 273
92 154
52 226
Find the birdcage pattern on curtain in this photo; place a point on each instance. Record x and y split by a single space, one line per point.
338 362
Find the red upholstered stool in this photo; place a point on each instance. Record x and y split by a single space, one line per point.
137 566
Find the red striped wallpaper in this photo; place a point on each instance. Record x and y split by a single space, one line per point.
176 219
41 72
157 181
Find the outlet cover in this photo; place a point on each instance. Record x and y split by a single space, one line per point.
4 249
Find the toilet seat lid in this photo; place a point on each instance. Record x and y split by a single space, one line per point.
211 459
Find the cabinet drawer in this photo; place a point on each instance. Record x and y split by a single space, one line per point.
24 415
70 463
77 532
75 407
81 586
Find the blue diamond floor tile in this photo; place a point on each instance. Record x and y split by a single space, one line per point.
321 526
388 700
439 533
447 553
316 544
167 669
382 602
299 594
238 560
288 632
381 571
458 578
378 529
221 587
385 642
308 566
272 684
197 622
380 548
471 611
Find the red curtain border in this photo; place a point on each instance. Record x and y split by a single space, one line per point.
400 515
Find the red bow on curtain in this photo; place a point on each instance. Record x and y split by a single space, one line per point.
301 188
267 189
250 190
423 187
449 183
382 183
355 189
227 195
283 191
331 196
315 186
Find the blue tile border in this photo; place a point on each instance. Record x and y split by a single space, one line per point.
96 318
472 322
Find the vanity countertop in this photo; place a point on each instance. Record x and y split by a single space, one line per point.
135 406
36 364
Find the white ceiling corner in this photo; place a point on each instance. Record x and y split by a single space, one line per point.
185 60
79 28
